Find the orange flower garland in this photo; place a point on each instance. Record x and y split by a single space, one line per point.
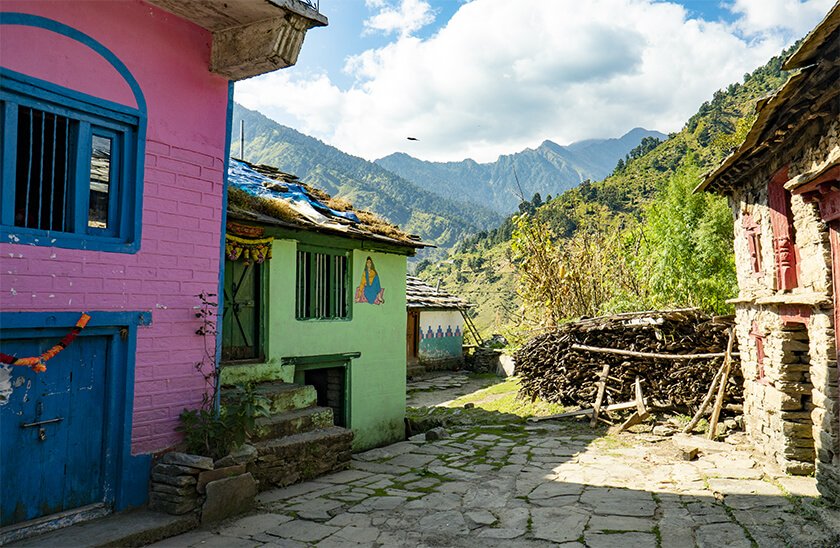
39 363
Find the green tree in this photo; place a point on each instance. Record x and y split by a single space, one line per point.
687 246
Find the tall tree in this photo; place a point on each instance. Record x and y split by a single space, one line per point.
687 250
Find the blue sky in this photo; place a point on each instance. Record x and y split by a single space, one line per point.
481 78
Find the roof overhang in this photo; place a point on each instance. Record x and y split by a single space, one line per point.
808 50
250 37
789 109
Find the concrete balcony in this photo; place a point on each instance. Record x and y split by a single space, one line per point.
250 37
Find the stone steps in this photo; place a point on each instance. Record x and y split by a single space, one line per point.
299 457
126 529
299 440
284 396
293 422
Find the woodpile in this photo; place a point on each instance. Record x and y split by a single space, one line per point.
675 354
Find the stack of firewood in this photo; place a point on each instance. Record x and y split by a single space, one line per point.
675 354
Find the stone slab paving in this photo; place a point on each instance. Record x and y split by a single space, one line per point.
539 485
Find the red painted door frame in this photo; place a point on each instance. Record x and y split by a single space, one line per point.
834 238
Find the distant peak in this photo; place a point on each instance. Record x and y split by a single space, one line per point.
551 145
642 131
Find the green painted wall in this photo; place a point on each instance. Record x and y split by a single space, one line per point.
377 377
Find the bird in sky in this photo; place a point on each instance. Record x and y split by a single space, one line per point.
412 138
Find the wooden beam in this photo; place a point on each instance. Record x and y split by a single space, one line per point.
652 355
583 412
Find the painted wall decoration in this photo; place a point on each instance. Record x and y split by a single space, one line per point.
370 290
441 335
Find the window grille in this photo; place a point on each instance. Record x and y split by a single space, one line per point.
69 168
43 169
322 285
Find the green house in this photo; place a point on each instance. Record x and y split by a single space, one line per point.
315 295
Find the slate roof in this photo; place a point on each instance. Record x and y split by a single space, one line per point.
783 117
266 195
419 294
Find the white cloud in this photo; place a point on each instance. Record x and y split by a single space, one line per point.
406 18
501 76
791 17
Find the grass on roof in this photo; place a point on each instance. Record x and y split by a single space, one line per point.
377 225
278 209
281 210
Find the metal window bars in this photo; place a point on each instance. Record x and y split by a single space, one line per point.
321 286
42 179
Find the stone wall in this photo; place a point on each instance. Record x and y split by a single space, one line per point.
786 338
186 484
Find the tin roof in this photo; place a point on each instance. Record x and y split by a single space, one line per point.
266 195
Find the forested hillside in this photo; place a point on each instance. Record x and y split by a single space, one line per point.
604 239
365 184
548 169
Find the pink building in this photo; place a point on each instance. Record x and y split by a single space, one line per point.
114 131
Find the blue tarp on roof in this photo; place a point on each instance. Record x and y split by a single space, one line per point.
245 178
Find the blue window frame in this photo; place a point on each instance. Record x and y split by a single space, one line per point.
70 174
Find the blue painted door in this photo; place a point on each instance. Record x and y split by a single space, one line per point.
53 430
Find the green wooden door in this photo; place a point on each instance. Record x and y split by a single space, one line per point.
241 316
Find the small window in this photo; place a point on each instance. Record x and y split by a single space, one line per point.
69 168
322 285
103 186
757 335
752 232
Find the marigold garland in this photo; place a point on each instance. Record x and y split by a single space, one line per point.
39 363
248 250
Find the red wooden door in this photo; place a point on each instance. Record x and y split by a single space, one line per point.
412 336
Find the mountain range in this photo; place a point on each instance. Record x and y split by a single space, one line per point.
501 185
440 202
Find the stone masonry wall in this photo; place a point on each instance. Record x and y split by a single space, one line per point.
791 395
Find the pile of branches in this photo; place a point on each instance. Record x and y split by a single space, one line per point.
553 367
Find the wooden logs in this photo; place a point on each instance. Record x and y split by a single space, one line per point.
675 353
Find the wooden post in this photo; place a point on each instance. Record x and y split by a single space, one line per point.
690 426
727 365
602 386
641 414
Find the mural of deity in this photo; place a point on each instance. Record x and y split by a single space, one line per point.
370 291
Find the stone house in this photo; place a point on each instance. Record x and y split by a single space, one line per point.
783 184
114 131
435 328
315 296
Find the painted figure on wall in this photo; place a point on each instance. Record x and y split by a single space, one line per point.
370 291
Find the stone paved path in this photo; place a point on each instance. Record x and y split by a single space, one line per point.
540 485
439 388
